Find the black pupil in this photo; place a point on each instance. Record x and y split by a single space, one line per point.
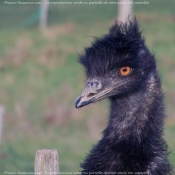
124 69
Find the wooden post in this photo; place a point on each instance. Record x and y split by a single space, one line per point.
46 162
2 113
124 10
44 14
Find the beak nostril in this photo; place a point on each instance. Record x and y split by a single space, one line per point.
91 94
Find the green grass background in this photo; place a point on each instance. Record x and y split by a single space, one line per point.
40 79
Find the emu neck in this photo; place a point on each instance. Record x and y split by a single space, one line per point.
136 115
133 142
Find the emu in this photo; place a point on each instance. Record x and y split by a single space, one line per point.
120 67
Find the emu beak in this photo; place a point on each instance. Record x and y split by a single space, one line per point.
92 92
89 93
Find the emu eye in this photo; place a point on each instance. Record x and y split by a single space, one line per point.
125 70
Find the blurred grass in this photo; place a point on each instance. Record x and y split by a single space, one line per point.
40 80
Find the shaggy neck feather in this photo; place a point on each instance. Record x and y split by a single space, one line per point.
132 141
142 109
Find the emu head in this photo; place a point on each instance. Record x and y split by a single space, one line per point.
116 64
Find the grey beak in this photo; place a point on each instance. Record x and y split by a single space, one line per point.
90 93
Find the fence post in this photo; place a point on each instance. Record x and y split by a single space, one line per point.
44 14
125 10
2 113
46 162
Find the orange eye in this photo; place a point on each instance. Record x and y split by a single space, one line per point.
125 70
